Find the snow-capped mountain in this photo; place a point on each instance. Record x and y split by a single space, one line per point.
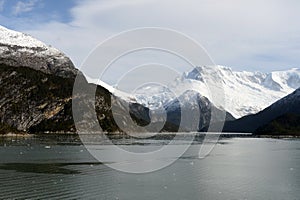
289 105
199 110
22 50
245 92
36 84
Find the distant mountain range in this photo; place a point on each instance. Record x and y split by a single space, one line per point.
245 92
36 85
282 117
200 108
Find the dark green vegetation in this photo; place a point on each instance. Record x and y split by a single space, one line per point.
33 101
288 124
36 102
5 128
281 118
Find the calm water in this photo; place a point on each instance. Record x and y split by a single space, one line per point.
238 168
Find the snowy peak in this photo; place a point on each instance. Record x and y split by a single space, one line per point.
14 38
269 82
249 92
277 80
21 50
289 78
293 98
195 74
262 122
24 42
245 92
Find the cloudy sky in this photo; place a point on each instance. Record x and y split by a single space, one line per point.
245 35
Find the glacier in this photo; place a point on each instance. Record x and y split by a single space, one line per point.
245 92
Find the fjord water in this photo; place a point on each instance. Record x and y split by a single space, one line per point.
237 168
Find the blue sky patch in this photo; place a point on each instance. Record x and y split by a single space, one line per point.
16 13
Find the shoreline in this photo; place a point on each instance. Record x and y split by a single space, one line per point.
167 134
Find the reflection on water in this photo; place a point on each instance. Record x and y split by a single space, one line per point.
44 168
61 168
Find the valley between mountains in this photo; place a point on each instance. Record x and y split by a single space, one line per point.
36 84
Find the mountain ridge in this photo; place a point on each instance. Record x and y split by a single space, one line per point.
251 123
21 50
37 80
259 89
36 86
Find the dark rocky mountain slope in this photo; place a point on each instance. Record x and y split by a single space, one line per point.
36 86
204 117
287 124
267 118
35 102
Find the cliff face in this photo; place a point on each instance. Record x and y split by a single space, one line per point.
29 96
35 102
200 111
267 119
21 50
36 85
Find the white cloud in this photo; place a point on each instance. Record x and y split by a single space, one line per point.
22 7
248 35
